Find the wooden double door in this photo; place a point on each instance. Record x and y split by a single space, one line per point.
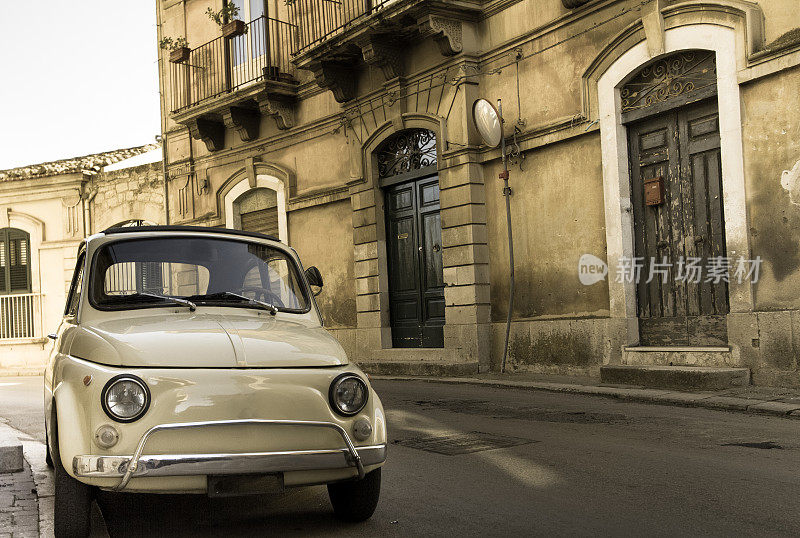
414 251
676 190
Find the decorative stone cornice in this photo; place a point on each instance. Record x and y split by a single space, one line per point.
210 131
245 121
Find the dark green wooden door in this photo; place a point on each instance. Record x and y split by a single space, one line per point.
683 232
413 244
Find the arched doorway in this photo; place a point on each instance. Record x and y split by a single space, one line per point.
408 175
671 113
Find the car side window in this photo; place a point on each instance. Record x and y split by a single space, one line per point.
75 288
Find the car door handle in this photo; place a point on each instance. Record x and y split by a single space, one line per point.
52 336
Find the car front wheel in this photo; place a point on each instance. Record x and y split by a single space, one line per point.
73 502
356 500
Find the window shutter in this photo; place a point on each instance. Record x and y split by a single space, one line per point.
15 261
3 261
263 221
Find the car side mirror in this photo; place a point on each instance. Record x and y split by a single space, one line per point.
314 278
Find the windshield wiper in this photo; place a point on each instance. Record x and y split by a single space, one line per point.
267 306
176 300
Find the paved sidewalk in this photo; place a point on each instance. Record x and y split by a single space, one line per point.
26 497
764 400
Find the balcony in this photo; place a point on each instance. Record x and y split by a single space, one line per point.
20 317
334 35
230 83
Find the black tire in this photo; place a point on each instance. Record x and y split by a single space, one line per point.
48 459
73 501
356 500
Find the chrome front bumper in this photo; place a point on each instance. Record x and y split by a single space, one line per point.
136 465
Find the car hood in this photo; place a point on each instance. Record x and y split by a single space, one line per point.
204 340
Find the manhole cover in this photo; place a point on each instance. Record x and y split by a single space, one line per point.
463 443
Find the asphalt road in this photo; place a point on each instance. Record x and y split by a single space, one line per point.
569 464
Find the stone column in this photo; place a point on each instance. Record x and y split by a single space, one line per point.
465 254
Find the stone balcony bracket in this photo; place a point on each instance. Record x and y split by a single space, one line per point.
241 110
380 39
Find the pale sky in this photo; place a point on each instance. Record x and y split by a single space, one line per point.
76 77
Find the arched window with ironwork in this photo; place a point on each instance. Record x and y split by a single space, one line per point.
409 153
678 79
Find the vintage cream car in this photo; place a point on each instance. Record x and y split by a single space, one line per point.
193 360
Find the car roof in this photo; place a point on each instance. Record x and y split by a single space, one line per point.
183 228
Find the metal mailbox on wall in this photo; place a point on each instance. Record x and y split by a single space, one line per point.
654 191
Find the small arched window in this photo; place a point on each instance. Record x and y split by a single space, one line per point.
257 211
15 261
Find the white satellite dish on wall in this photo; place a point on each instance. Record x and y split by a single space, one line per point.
487 121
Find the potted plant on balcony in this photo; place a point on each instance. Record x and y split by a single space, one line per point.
178 49
227 19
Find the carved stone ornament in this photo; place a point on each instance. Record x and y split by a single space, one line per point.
279 107
209 131
337 77
383 51
445 32
245 121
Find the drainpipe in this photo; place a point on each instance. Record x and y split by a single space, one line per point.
163 136
507 194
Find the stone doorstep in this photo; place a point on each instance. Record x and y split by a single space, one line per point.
675 377
419 367
677 356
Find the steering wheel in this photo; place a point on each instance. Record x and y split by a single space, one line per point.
261 294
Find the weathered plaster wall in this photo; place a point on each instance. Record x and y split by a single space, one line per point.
557 215
771 136
323 236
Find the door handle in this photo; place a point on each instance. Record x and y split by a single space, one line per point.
52 336
436 248
420 249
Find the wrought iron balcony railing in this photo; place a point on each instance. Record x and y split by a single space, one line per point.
225 65
320 20
20 316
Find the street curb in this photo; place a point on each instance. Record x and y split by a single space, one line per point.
21 372
34 453
655 396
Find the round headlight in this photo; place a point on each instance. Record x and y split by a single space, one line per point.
348 394
125 398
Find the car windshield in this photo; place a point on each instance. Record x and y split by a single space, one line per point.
137 273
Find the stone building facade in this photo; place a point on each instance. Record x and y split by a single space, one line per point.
45 211
657 130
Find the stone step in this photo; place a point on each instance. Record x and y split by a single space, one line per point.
675 377
417 361
679 356
420 368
